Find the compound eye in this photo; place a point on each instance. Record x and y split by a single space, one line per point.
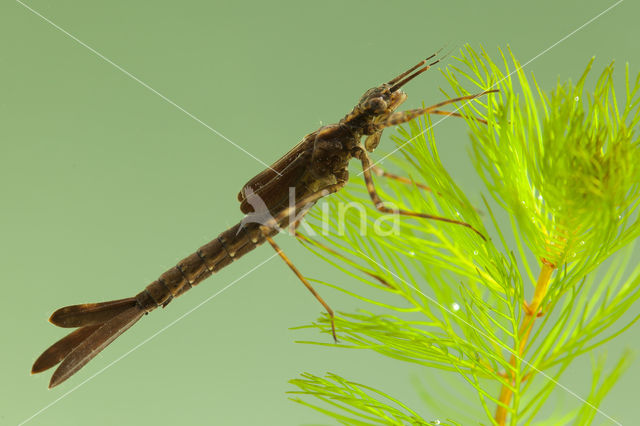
376 105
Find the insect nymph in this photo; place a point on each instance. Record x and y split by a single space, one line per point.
315 168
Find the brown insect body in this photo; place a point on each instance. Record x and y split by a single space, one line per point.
322 157
316 167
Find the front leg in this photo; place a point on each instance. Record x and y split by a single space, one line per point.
404 116
361 154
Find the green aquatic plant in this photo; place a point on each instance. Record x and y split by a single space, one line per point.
512 313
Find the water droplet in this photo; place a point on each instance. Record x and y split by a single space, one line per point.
412 253
540 197
457 213
523 203
436 422
475 252
455 307
620 217
582 242
577 98
573 254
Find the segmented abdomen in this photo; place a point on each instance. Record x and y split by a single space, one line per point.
231 244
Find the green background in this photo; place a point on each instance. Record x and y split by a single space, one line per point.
104 185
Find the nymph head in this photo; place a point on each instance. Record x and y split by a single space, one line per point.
380 101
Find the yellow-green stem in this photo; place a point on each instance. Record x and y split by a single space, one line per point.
531 313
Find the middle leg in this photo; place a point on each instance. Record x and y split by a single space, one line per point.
377 201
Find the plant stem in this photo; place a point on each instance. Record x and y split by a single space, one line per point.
531 313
